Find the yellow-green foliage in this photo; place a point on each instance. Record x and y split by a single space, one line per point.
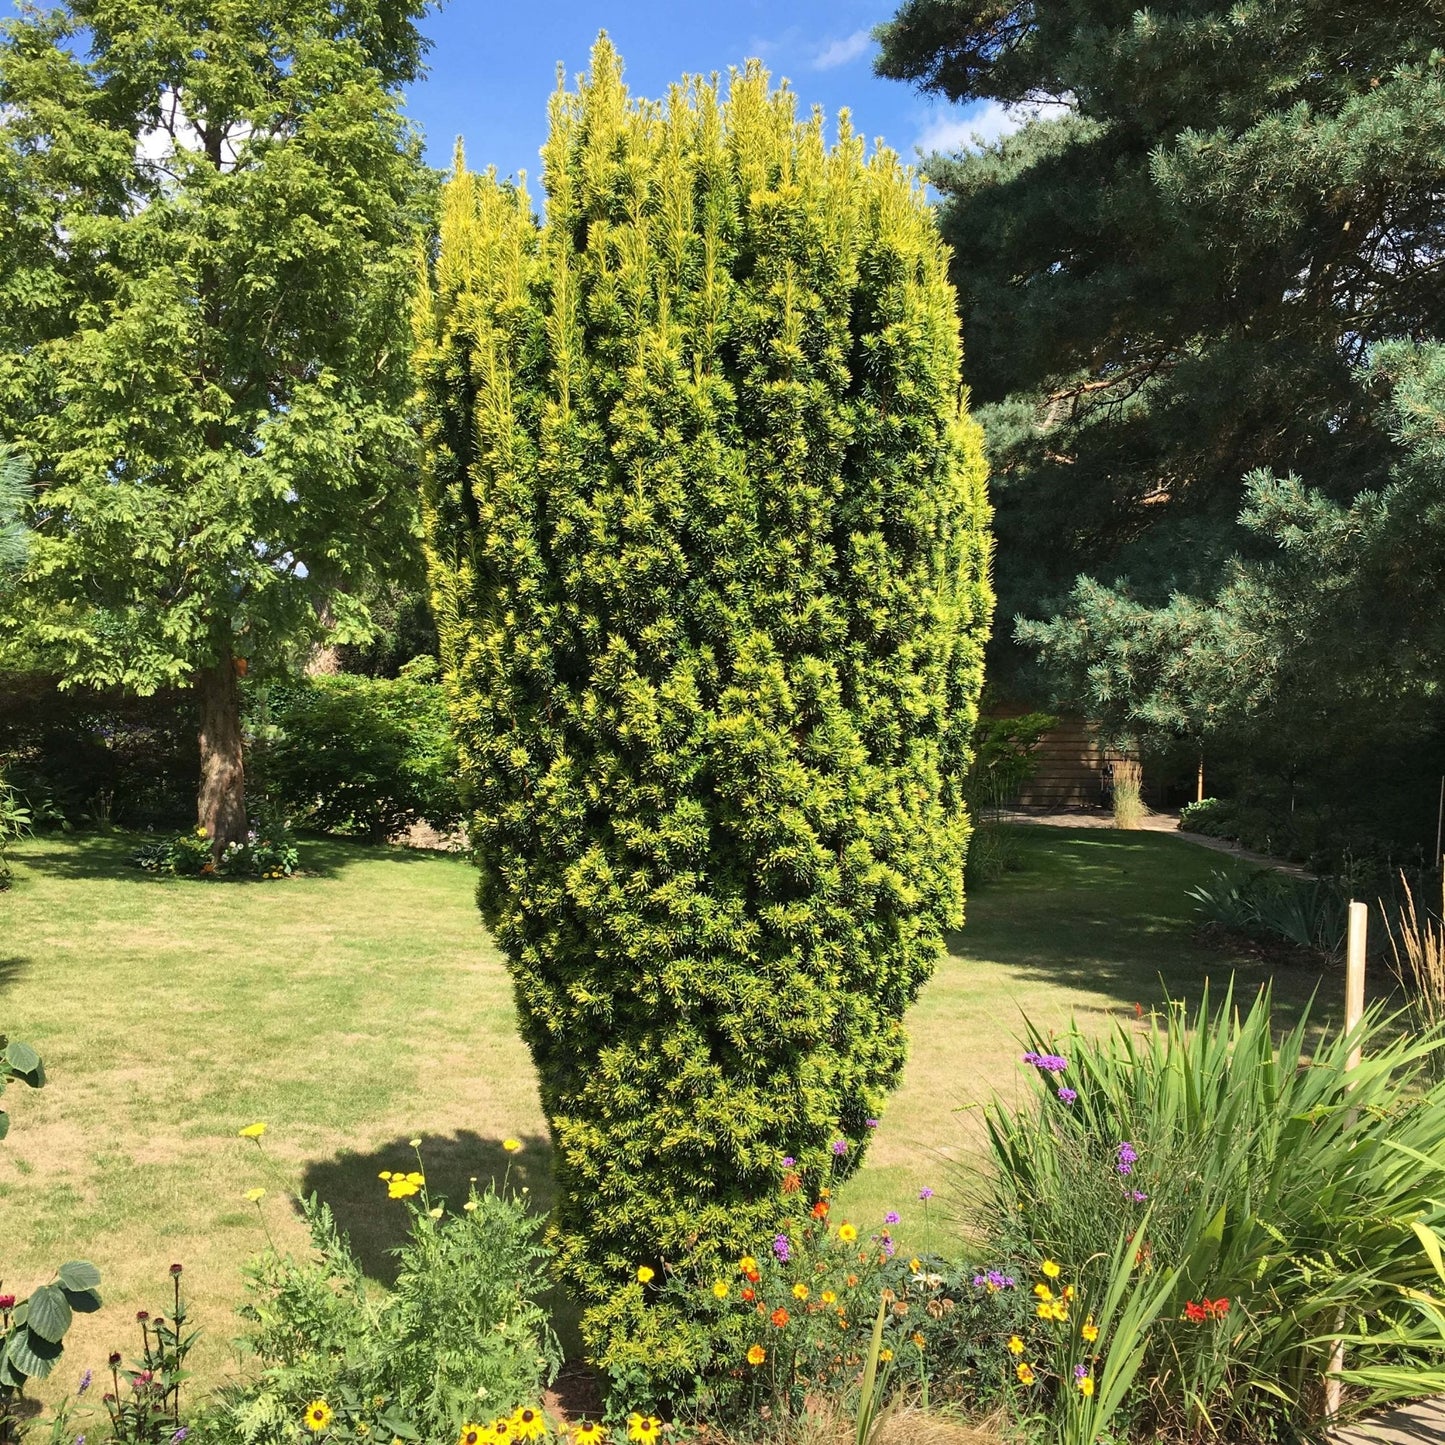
708 542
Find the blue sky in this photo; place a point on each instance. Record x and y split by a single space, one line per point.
493 66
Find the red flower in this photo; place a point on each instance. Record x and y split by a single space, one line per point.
1218 1309
780 1318
7 1301
1194 1313
753 1276
820 1209
749 1295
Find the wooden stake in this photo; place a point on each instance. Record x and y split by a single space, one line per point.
1356 940
1199 781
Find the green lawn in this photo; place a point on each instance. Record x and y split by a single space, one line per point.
363 1005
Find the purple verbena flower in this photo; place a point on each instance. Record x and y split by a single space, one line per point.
925 1193
84 1383
179 1435
788 1161
782 1248
892 1217
1067 1095
1127 1158
840 1147
1080 1371
886 1240
870 1123
1051 1063
1138 1196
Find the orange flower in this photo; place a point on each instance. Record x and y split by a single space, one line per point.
749 1294
756 1355
820 1209
792 1182
780 1317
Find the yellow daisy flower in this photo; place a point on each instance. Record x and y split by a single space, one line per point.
1090 1331
587 1433
643 1429
828 1297
1049 1269
756 1355
1025 1372
747 1264
720 1289
528 1424
1043 1291
472 1435
317 1416
1015 1345
645 1275
885 1354
1086 1386
847 1233
501 1428
512 1146
251 1131
800 1290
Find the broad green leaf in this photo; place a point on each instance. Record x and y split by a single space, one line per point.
21 1057
29 1354
1430 1242
50 1314
79 1274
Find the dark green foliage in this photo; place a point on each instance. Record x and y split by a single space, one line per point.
1169 286
360 755
79 756
708 551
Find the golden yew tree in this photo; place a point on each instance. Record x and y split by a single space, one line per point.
708 546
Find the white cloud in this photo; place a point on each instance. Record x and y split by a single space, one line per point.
843 52
981 125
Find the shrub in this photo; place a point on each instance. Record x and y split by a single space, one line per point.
460 1334
1305 912
1285 1199
269 851
362 755
707 543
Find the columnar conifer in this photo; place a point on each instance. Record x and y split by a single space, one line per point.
708 547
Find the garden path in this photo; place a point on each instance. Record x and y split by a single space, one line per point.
1422 1423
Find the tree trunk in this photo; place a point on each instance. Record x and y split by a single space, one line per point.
221 803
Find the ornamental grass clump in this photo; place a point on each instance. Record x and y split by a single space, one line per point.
1244 1205
707 540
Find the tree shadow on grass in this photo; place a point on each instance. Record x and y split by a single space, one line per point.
377 1226
10 971
111 856
1109 915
